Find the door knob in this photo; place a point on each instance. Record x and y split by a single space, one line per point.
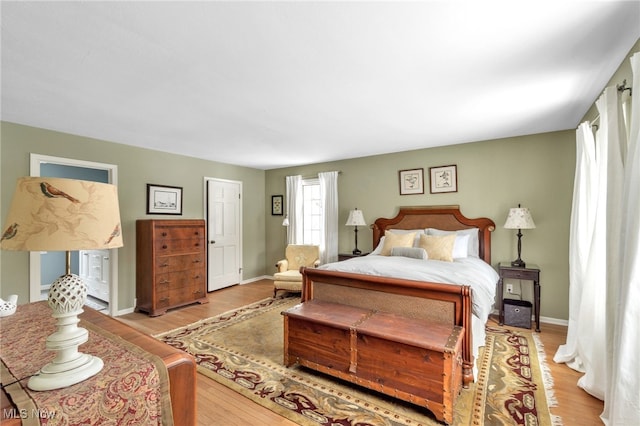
212 242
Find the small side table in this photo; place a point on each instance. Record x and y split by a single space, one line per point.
531 273
345 256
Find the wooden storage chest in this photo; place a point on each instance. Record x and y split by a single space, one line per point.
412 359
171 264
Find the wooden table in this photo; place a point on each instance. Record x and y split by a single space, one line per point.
529 273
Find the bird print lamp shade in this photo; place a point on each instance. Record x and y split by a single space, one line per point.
56 214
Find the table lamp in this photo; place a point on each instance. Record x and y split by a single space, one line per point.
356 218
55 214
519 218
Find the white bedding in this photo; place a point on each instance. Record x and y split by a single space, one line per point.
470 271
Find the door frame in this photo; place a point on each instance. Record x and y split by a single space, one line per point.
206 220
34 257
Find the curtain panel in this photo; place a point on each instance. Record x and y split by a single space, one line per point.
622 397
604 258
294 209
329 195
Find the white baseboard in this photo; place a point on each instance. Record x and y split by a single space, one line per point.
264 277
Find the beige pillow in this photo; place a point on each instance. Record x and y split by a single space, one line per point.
438 247
392 240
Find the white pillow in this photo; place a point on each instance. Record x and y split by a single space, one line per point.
473 246
412 252
460 247
378 248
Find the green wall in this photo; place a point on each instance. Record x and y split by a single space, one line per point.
536 171
136 168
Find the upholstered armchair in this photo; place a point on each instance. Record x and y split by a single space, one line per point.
288 276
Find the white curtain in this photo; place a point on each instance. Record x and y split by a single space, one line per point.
294 209
622 398
583 214
329 195
603 339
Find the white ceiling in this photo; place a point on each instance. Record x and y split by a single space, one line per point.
276 84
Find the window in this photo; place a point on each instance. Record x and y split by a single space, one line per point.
311 212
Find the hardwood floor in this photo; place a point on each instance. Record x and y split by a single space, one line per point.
218 405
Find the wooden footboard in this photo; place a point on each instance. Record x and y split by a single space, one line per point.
438 303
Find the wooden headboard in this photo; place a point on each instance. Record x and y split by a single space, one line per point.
447 218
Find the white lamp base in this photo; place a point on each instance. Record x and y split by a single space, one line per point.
66 297
60 375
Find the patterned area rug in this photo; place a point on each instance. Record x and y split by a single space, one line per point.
243 350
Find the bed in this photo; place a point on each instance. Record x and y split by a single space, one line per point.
107 336
388 283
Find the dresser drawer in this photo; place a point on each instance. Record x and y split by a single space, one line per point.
178 233
163 247
180 279
520 274
185 295
184 262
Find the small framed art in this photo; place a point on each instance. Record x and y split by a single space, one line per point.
162 199
444 179
276 205
411 181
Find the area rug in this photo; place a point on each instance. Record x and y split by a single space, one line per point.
243 350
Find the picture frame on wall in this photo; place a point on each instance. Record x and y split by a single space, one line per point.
163 199
444 179
411 181
276 205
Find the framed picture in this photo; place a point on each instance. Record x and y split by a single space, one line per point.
411 181
444 179
162 199
276 205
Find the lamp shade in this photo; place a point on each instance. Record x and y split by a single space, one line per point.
356 218
56 214
519 218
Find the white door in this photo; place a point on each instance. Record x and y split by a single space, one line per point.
224 233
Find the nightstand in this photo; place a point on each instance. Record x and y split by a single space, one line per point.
345 256
529 273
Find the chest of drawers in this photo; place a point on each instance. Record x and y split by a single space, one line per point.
171 264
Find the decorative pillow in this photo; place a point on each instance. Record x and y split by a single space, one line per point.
412 252
474 242
418 232
396 240
438 247
460 247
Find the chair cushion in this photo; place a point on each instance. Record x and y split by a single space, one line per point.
290 275
287 285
